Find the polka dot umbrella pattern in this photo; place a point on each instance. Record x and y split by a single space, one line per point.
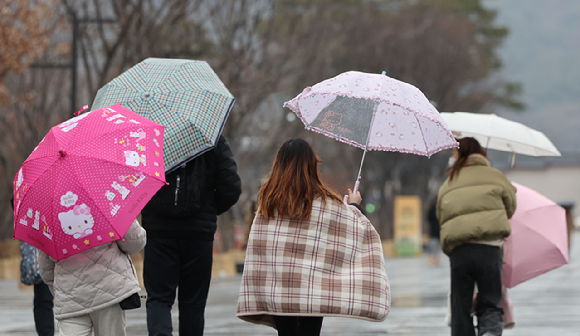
87 180
373 112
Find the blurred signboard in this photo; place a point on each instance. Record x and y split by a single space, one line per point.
407 226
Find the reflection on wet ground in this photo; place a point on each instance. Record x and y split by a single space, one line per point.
546 305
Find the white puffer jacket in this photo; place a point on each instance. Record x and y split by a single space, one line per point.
96 278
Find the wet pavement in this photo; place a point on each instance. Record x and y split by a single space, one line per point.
546 305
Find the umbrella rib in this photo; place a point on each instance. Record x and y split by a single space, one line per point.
27 162
105 160
375 107
518 142
83 187
97 208
423 136
183 120
195 90
163 102
489 136
531 211
510 140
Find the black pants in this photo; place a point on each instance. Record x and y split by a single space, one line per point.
43 314
476 264
176 262
298 325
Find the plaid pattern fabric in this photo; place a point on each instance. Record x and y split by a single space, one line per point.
330 265
185 96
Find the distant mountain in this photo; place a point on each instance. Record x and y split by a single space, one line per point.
542 52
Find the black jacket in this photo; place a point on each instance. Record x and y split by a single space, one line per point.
208 186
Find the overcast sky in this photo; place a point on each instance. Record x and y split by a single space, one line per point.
542 52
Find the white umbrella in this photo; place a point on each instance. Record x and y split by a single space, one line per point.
501 134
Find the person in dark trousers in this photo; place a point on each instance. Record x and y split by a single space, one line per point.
181 220
42 305
43 313
473 207
434 245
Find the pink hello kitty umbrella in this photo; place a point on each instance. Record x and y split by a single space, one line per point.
373 112
87 180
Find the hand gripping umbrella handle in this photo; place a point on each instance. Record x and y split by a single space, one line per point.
345 199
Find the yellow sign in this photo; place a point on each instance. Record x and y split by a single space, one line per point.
407 225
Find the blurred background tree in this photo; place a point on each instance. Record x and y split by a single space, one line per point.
22 37
267 51
25 34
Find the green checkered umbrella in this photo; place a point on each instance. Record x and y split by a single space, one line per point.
185 96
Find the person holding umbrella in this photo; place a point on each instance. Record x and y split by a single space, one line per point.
181 220
91 288
43 300
434 245
76 198
309 255
473 208
187 97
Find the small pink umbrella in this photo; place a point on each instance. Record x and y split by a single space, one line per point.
373 112
87 180
539 239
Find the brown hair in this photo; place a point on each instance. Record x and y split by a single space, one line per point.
293 183
467 146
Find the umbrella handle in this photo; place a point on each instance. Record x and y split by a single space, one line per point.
356 185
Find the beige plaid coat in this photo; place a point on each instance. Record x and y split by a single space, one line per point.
330 265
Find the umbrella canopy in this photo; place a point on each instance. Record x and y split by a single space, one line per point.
539 239
185 96
373 112
87 180
501 134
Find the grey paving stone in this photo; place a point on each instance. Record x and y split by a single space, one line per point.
546 305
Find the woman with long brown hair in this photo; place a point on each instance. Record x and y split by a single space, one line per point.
309 255
473 208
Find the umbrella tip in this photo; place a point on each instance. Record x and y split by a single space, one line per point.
62 153
82 109
384 73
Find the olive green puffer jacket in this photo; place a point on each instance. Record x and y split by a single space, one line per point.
476 205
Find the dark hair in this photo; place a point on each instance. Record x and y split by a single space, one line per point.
293 183
467 146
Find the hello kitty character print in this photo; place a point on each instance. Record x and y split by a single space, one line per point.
19 179
331 119
77 222
138 135
136 156
132 158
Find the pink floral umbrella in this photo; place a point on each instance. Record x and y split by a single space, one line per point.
539 239
87 180
373 112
